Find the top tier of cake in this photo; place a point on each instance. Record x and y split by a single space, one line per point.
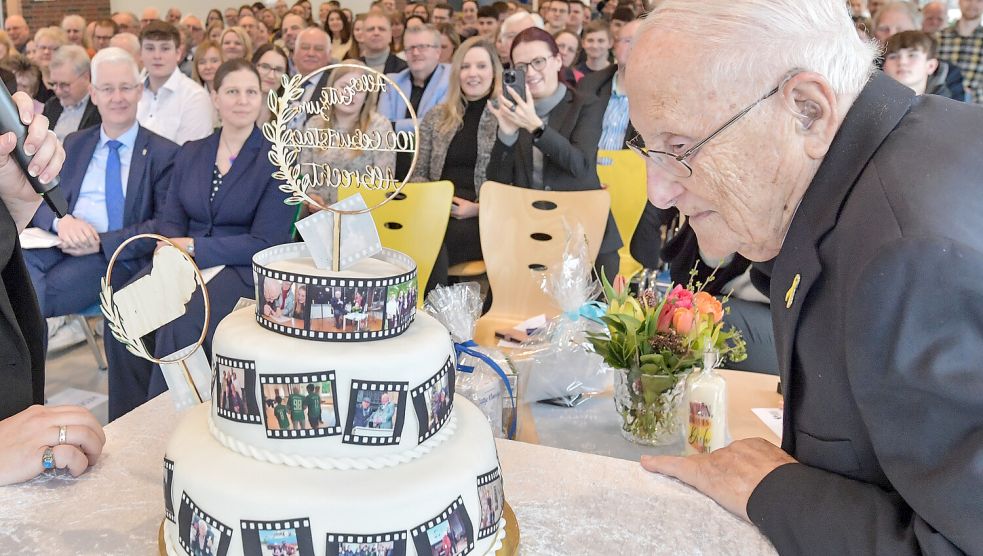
373 299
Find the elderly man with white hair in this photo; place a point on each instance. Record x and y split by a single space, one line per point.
765 124
115 181
74 27
70 109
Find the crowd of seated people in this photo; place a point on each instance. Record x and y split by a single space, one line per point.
161 122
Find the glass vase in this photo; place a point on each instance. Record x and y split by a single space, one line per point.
649 406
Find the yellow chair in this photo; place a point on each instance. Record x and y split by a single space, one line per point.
624 179
522 232
414 222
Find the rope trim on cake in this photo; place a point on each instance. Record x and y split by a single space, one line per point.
326 462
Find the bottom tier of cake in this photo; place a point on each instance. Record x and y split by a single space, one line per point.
219 502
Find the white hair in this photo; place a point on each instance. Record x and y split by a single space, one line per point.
114 55
73 17
517 17
766 39
71 55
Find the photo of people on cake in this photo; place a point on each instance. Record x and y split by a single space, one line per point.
299 406
492 499
234 392
448 537
384 548
400 303
347 309
438 400
279 542
279 298
375 413
203 539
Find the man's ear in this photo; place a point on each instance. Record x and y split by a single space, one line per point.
813 103
932 64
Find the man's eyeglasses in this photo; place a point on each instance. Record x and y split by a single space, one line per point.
420 47
56 85
676 164
537 64
109 90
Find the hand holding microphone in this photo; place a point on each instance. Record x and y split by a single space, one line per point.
31 158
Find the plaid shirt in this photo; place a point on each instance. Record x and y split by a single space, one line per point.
967 53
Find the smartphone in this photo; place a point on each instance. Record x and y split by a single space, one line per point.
514 79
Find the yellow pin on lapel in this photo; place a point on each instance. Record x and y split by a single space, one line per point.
790 294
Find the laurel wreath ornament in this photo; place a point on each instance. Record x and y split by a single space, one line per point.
284 109
111 311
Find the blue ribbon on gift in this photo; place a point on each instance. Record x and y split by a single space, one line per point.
592 310
466 348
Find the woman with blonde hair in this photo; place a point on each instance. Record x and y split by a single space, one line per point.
456 140
47 41
208 58
236 43
359 115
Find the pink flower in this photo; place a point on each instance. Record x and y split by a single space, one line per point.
678 298
620 284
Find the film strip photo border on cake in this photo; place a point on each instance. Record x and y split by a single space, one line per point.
291 536
375 418
209 531
289 407
168 495
453 524
328 306
233 390
434 400
491 500
343 544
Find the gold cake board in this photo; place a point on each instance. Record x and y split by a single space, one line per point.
510 546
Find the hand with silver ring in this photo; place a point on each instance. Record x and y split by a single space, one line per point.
37 439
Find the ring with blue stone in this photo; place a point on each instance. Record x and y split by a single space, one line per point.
48 459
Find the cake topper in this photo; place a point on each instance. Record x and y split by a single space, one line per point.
154 300
299 177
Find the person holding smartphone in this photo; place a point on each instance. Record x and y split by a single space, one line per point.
456 140
548 132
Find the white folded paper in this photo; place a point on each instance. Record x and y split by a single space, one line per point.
359 236
36 238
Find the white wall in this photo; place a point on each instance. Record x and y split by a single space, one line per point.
200 7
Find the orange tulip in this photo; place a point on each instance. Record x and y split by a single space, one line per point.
707 304
682 321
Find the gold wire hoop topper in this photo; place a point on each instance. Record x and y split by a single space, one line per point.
283 156
115 320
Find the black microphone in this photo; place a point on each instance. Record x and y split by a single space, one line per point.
10 121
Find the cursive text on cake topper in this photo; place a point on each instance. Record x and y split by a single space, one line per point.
288 141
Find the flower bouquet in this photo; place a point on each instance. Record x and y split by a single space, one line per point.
653 344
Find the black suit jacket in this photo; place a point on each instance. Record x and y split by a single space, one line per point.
146 187
53 110
569 146
880 344
599 84
21 329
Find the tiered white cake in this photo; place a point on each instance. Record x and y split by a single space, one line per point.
333 429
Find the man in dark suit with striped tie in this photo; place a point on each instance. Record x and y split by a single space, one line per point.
115 179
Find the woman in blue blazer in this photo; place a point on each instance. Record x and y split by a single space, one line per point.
223 207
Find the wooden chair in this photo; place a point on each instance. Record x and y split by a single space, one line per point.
625 179
522 234
414 222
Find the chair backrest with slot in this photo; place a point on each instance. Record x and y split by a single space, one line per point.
523 231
